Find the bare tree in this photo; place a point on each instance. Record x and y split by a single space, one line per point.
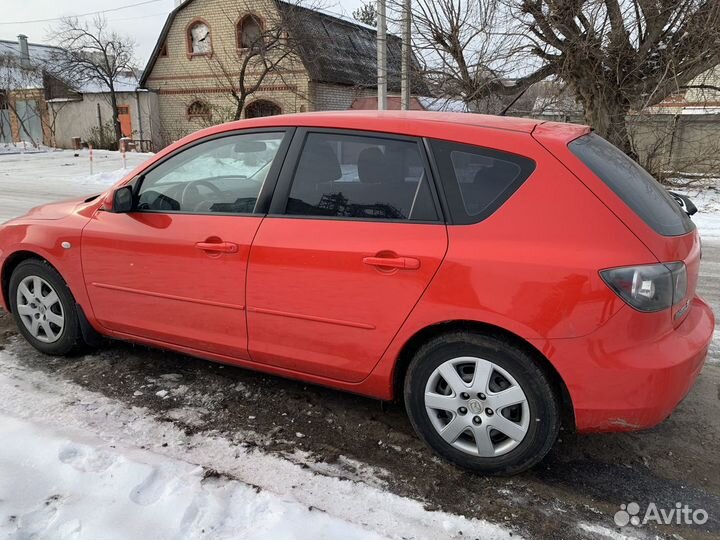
263 53
616 56
621 55
93 54
265 50
471 51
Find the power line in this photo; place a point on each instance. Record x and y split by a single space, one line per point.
84 14
163 14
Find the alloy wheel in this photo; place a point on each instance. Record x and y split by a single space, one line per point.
40 309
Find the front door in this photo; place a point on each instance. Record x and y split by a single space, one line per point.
125 120
339 264
173 269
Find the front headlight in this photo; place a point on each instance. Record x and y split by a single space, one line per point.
649 287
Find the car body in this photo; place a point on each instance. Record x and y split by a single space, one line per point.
347 297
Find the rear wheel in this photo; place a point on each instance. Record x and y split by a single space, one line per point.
482 403
44 308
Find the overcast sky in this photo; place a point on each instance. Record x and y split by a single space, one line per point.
143 22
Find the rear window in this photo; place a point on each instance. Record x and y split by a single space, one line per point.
633 184
477 181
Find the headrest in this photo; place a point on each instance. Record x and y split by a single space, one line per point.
371 165
501 172
319 164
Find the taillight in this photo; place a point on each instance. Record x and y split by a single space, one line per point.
649 287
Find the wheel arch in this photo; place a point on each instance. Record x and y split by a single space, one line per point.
423 335
9 266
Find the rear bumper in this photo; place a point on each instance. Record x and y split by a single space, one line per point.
623 378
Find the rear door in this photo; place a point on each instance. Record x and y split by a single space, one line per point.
353 238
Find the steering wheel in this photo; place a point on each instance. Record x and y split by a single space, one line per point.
187 192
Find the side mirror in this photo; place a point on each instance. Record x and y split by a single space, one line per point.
122 200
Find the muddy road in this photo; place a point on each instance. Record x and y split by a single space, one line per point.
574 493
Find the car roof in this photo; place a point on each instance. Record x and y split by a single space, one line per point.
356 118
412 123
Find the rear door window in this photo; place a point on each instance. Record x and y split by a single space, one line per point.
477 181
361 177
633 184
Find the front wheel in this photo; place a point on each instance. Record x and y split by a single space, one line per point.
481 403
44 308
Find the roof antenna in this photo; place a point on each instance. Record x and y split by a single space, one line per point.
521 94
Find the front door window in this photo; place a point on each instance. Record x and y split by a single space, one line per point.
222 175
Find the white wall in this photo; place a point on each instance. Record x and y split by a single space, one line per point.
78 118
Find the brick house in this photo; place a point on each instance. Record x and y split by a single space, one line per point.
199 53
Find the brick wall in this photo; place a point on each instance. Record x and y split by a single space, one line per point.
179 78
335 97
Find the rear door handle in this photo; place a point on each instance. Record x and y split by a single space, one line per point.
404 263
220 247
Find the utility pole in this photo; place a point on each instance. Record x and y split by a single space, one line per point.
381 56
405 83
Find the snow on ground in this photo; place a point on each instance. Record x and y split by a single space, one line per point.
75 464
707 200
23 147
57 175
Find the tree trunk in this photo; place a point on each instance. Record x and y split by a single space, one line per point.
115 117
607 115
239 106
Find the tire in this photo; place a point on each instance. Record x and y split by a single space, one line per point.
57 329
517 399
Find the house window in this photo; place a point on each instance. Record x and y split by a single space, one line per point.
198 110
249 32
163 49
261 107
198 37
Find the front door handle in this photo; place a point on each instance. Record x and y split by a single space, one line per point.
404 263
218 247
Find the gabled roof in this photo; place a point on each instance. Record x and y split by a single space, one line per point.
338 50
333 49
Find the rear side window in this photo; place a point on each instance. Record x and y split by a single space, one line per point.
633 184
361 177
477 181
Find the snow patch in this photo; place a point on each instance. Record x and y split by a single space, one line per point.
707 218
24 147
116 472
605 532
102 179
75 486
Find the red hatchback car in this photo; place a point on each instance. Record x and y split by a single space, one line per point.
500 274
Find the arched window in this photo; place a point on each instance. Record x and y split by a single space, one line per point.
261 107
198 38
199 110
249 32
